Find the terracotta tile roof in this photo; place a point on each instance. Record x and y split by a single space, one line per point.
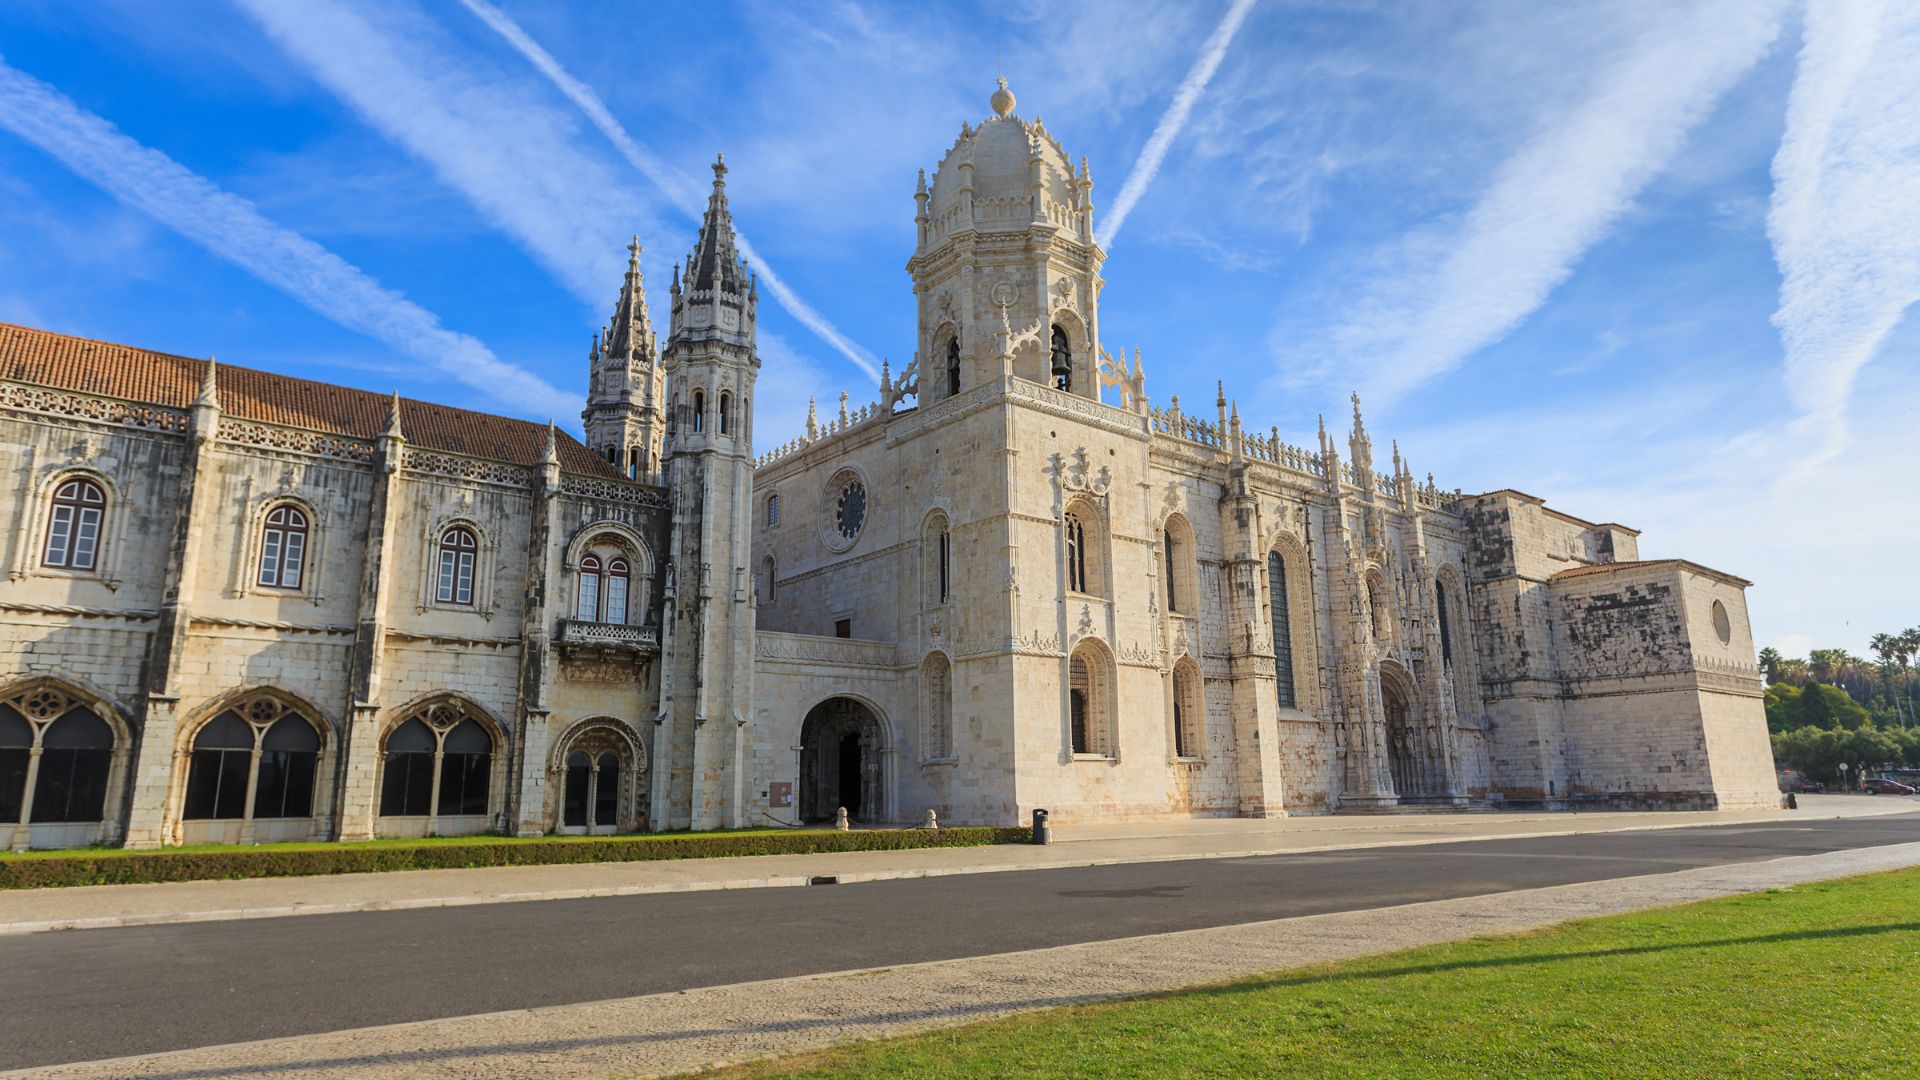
130 374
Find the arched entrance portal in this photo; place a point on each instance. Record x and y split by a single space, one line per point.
840 762
1403 753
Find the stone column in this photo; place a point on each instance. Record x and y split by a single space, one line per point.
355 804
526 804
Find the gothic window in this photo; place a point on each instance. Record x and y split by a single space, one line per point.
1282 629
618 575
937 549
68 776
773 511
936 705
260 745
1076 554
458 549
1446 627
699 411
953 366
1189 709
726 414
636 462
850 508
768 568
1062 361
283 547
437 739
1181 572
73 529
592 786
587 607
1090 700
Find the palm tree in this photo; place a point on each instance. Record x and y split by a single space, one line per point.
1770 663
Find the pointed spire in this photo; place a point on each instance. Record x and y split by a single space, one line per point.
210 386
813 421
630 336
551 456
393 419
715 263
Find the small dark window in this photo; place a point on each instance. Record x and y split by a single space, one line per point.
726 414
407 789
16 750
465 770
1076 555
1446 629
73 529
699 411
573 812
1173 592
773 511
283 548
76 752
843 628
953 366
945 555
606 791
1079 687
458 549
1062 361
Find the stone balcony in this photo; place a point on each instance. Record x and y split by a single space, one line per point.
578 634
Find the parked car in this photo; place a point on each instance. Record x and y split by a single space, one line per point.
1806 786
1880 785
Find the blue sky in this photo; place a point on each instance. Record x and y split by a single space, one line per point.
1652 261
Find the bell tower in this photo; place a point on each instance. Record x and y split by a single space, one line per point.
710 362
1005 247
624 418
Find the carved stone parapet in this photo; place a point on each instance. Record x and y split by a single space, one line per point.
70 406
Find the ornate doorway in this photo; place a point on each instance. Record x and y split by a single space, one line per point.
602 790
840 762
1403 750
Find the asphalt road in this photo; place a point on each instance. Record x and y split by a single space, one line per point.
88 994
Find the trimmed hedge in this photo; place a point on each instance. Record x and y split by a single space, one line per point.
123 868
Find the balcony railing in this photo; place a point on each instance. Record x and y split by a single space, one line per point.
578 633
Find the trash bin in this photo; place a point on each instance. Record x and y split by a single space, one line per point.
1040 827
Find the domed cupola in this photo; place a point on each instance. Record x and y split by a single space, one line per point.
1005 245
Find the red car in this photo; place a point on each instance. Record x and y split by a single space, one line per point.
1883 786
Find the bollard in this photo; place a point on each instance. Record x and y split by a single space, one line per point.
932 821
1792 803
840 820
1040 827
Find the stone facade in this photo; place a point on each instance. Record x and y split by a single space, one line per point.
241 607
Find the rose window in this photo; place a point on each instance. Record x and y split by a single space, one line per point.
850 509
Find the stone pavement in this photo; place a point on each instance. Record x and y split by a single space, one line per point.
102 906
666 1034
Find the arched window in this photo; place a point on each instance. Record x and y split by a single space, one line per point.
438 764
458 549
773 511
1282 629
937 561
593 788
767 568
261 745
76 752
699 411
1090 701
615 608
1176 541
587 609
953 366
1189 709
66 781
936 706
73 528
1076 554
1446 625
1061 361
283 548
726 413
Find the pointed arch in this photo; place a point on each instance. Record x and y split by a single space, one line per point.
1290 621
936 707
598 778
1091 709
1179 566
1083 541
1188 717
442 768
64 758
255 766
936 559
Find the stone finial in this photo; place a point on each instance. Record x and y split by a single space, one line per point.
843 408
1002 100
551 456
393 419
813 421
633 253
210 386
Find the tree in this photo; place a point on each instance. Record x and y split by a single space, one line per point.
1770 663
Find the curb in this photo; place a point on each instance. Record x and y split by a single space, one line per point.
781 881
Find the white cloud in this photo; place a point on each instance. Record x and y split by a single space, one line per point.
1448 292
234 229
494 139
789 379
1845 216
1173 120
679 189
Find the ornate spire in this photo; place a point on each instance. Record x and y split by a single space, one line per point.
1361 447
551 456
715 263
631 333
393 419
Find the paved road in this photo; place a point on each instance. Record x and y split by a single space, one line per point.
81 995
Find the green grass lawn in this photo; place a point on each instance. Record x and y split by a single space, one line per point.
1818 980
